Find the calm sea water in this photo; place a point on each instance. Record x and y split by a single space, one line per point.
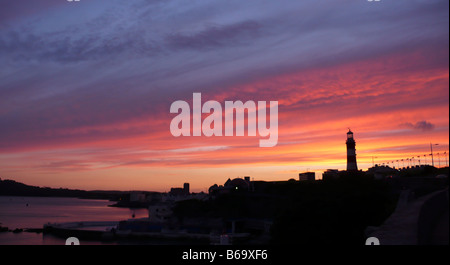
34 212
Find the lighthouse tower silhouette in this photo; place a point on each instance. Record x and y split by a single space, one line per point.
351 152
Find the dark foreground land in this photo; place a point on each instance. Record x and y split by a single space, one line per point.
332 212
322 212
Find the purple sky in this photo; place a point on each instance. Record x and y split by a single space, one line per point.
75 73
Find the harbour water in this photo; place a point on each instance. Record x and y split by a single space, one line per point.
34 212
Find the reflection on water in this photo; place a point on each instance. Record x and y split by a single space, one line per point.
34 212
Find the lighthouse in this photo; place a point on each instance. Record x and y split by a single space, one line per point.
351 152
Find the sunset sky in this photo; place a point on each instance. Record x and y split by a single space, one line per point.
86 87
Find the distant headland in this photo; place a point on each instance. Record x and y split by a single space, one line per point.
13 188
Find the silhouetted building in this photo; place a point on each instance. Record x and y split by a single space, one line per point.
232 185
307 176
330 174
382 172
237 184
159 213
351 152
180 191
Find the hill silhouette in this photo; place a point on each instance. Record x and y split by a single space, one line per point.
14 188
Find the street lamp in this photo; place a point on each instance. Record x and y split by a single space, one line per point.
373 164
432 160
